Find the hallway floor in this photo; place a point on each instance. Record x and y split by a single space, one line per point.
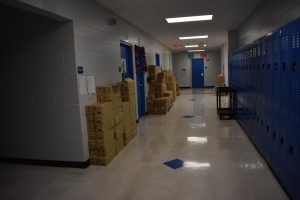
220 163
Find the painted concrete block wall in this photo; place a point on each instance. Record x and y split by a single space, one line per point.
97 43
269 16
40 112
182 68
224 62
212 68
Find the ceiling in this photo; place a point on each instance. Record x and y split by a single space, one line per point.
149 15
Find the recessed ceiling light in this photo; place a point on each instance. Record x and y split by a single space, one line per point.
193 37
189 19
204 45
196 50
191 46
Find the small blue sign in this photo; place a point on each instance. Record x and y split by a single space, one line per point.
80 69
174 164
188 116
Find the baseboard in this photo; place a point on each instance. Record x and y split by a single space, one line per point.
209 86
51 163
185 87
269 166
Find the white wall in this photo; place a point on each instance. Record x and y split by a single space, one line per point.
224 62
40 110
271 15
97 44
181 61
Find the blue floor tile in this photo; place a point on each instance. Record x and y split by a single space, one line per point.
174 164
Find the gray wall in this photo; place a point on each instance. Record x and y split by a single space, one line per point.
97 45
181 61
40 109
269 16
182 69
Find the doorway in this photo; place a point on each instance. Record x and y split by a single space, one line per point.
126 54
197 73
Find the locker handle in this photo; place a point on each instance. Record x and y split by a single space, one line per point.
283 66
291 149
294 66
274 134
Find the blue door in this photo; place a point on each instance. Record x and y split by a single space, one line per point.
197 73
157 59
140 84
126 53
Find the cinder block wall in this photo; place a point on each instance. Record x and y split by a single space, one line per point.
40 109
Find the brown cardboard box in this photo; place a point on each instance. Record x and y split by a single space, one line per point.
118 118
128 86
161 77
106 137
150 105
221 79
168 94
153 71
119 130
106 125
108 93
125 108
106 156
127 136
116 102
117 110
119 144
162 105
151 91
98 108
160 88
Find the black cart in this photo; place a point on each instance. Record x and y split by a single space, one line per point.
228 112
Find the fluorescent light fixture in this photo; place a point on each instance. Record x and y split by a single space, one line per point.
193 37
191 46
196 50
189 19
198 140
196 165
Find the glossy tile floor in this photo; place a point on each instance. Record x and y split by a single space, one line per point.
220 164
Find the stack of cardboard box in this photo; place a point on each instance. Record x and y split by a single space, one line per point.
160 97
153 71
111 122
129 109
100 125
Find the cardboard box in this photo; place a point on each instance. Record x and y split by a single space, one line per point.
103 137
161 78
162 105
117 110
108 93
119 130
98 108
160 88
118 118
150 105
96 159
128 86
119 144
127 136
221 79
106 125
116 103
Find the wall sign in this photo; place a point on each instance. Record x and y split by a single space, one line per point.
80 69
